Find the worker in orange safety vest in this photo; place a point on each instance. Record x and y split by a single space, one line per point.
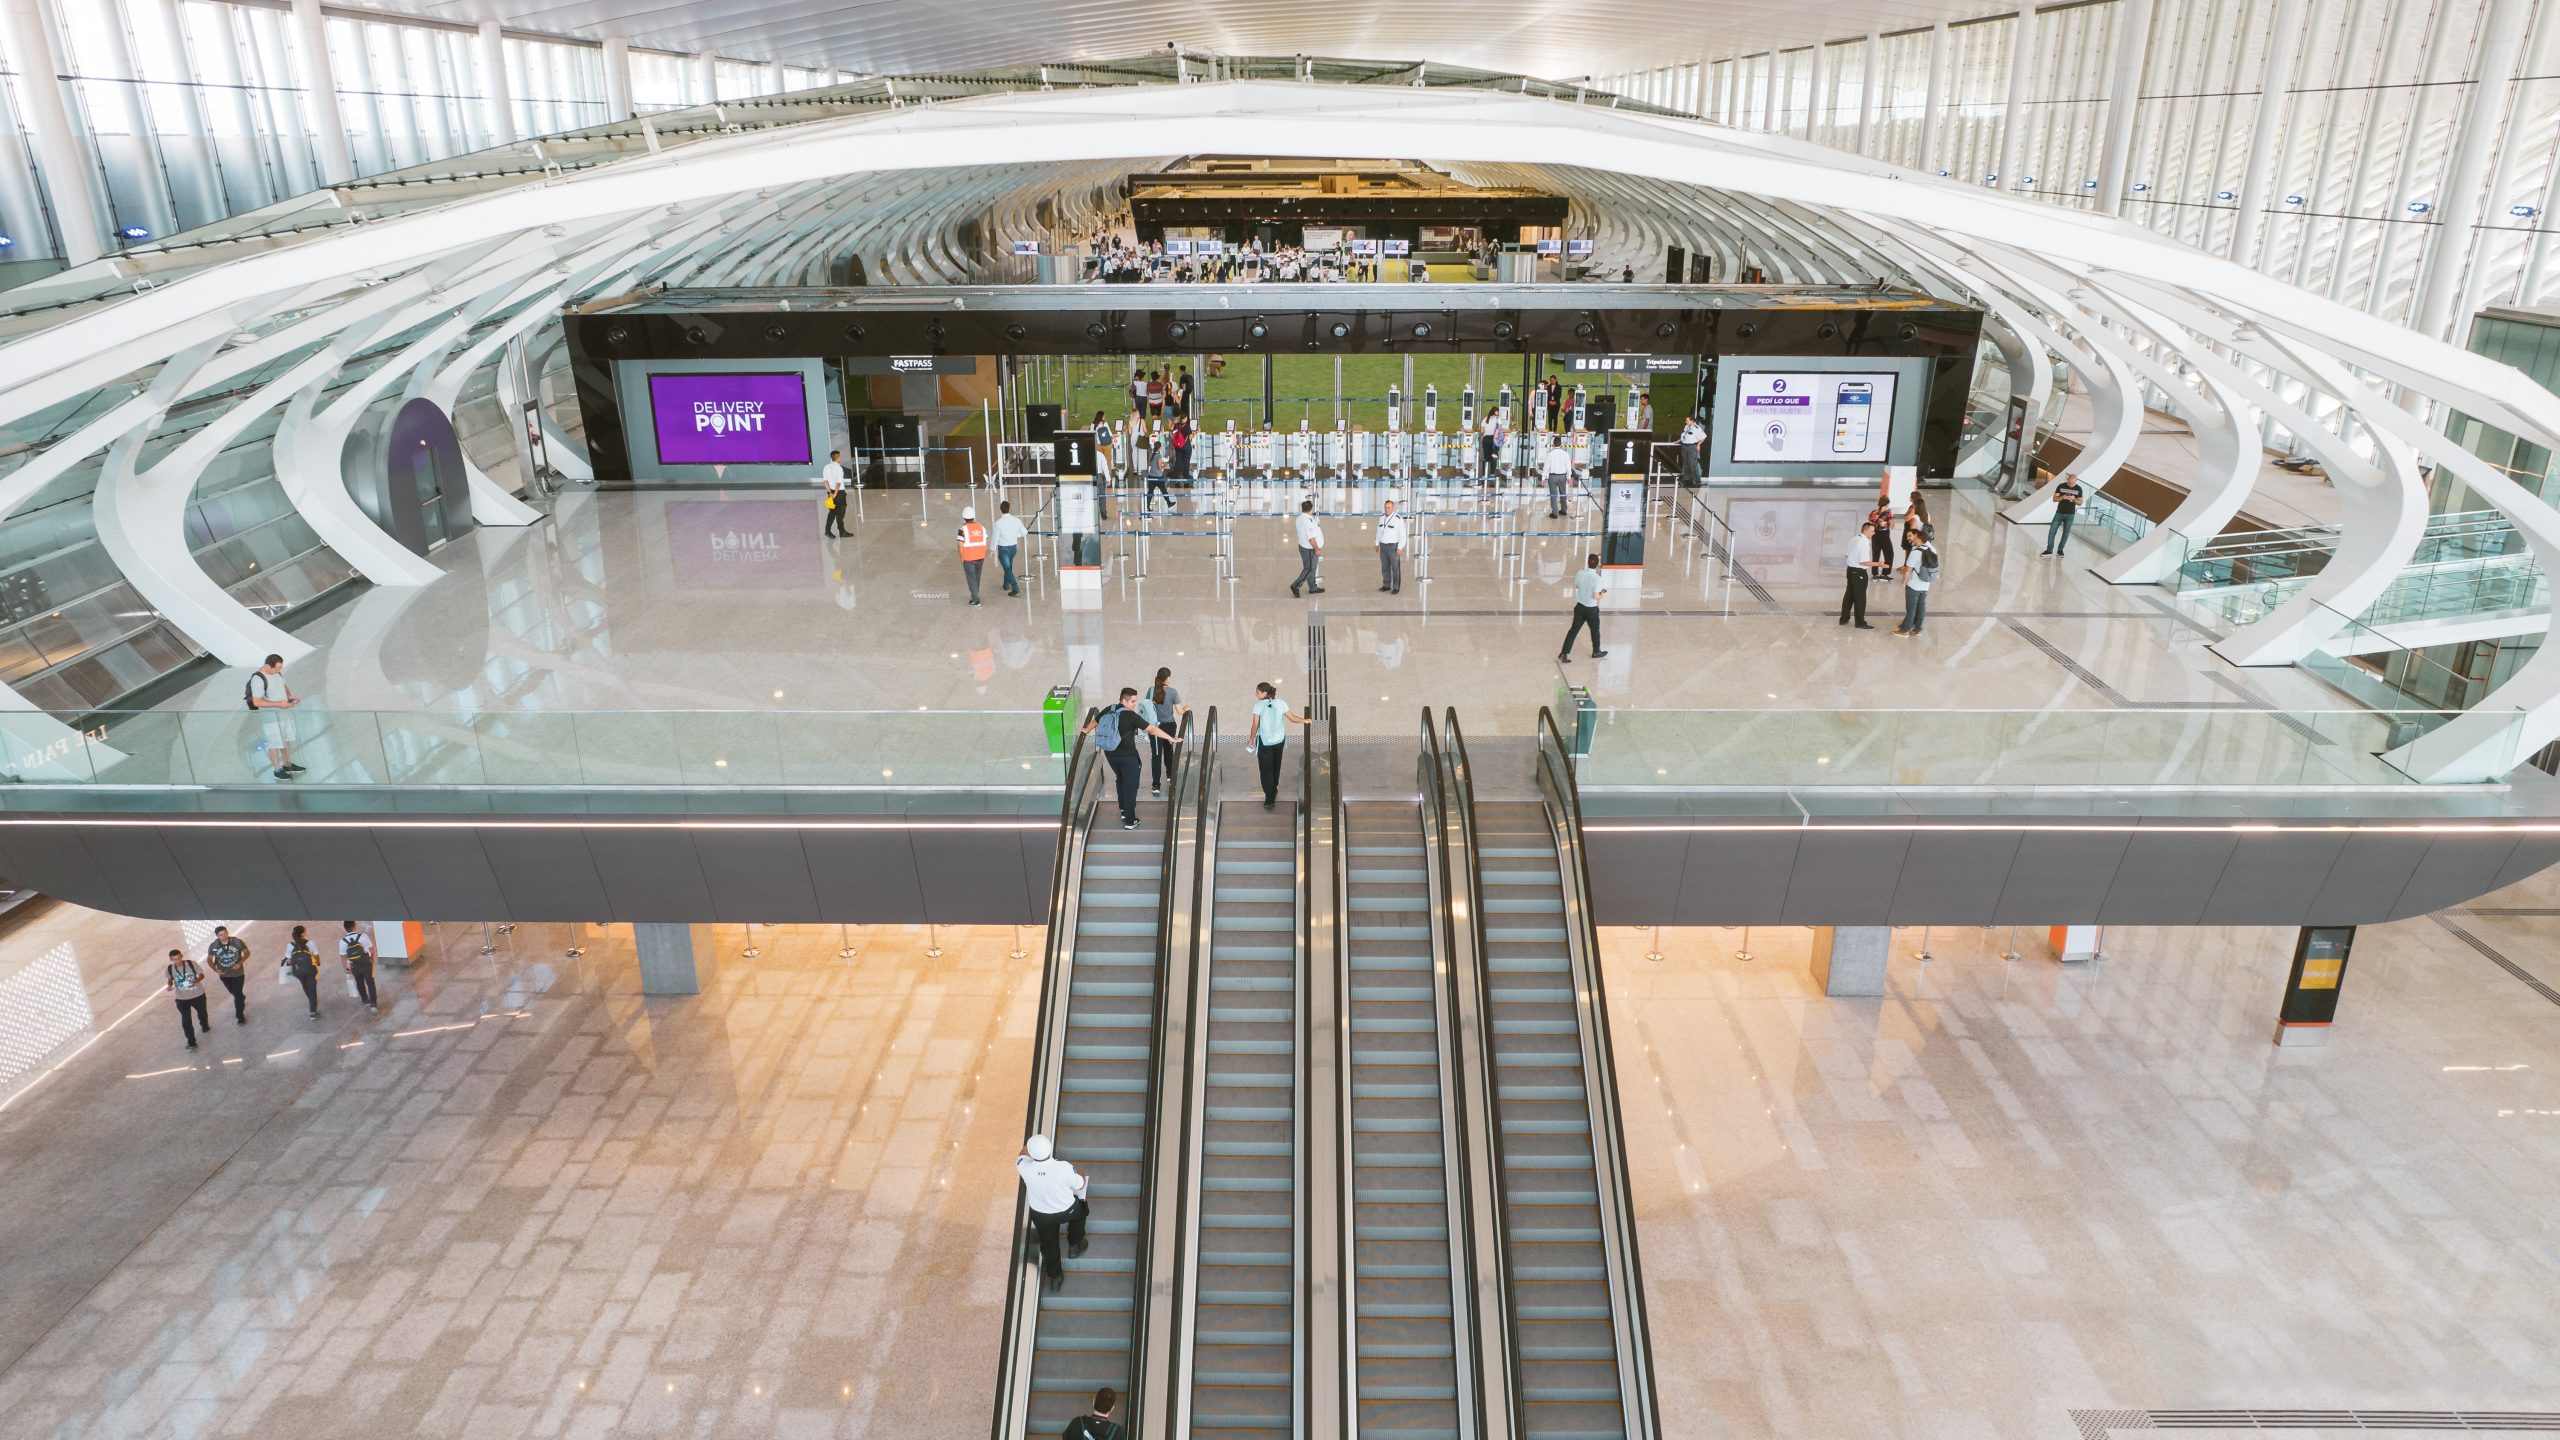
973 549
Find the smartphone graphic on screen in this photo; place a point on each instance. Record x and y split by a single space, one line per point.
1850 411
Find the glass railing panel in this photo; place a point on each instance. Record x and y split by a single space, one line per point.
634 748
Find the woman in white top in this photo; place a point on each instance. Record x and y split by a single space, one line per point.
1270 737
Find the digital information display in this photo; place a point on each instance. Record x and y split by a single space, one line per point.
1812 417
730 418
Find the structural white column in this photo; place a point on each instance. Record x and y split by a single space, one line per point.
2124 99
2275 110
1869 55
320 80
773 69
500 98
706 80
2459 203
57 147
1937 98
1815 101
1850 959
617 77
668 959
1769 106
2013 124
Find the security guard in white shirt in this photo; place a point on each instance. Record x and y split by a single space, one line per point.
1054 1192
1310 550
1390 551
839 498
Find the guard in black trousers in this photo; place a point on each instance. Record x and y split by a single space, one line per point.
1853 599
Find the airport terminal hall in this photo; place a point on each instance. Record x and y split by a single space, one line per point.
1246 719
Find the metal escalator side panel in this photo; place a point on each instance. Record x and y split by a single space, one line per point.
1637 1397
1324 1363
1488 1279
1159 1358
1205 817
1022 1302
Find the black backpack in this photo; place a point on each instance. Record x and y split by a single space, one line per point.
249 690
1088 1427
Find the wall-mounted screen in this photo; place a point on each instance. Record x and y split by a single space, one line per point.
730 418
1812 417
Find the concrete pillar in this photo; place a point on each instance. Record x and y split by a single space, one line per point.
2013 124
1850 959
500 97
48 120
1937 98
2467 177
667 959
1816 101
2124 97
617 77
2275 110
1868 56
706 79
773 71
320 79
1769 108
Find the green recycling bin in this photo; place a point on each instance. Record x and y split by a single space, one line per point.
1058 717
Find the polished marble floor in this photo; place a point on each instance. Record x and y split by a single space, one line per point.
706 600
527 1201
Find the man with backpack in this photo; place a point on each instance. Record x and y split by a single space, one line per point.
1098 1425
273 700
1115 735
357 957
186 986
1919 572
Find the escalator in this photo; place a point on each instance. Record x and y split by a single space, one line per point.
1571 1288
1096 1083
1248 1262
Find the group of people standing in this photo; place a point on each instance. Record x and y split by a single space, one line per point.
1153 718
1870 561
226 958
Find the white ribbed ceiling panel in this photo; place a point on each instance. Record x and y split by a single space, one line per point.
909 36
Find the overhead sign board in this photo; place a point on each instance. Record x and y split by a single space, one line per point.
911 364
1631 364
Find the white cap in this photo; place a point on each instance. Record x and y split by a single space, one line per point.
1037 1147
970 512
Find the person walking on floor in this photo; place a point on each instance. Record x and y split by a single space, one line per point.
1390 550
1693 439
973 548
1919 575
1489 447
1054 1192
1310 550
1557 466
357 957
1853 600
304 967
1880 541
1098 1424
2066 504
1587 591
1008 537
274 700
1271 721
839 498
186 986
229 957
1162 708
1115 735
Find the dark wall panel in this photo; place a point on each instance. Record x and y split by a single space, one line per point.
338 872
2059 877
1950 876
143 878
2165 879
444 874
865 877
2456 868
2364 885
2273 878
756 875
1845 877
1639 874
650 875
238 870
51 860
547 874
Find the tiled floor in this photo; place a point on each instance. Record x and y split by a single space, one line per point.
524 1200
642 601
527 1201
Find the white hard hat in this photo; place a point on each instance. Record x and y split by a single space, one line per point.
968 512
1037 1147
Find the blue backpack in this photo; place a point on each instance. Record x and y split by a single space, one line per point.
1106 732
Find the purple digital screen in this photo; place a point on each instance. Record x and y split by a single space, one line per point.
731 419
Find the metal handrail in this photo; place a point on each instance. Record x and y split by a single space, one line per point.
1600 1086
1448 914
1202 769
1488 1209
1159 1359
1021 1301
1326 1362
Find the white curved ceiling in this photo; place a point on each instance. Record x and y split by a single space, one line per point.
1554 41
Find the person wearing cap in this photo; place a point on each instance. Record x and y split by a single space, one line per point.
973 548
1053 1190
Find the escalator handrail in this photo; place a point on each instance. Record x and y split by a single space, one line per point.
1496 1333
1600 1088
1195 1096
1432 781
1325 1362
1057 953
1159 1344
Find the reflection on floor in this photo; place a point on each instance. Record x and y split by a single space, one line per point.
524 1200
527 1201
705 600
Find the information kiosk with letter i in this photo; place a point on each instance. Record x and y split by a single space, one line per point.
1079 518
1622 522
